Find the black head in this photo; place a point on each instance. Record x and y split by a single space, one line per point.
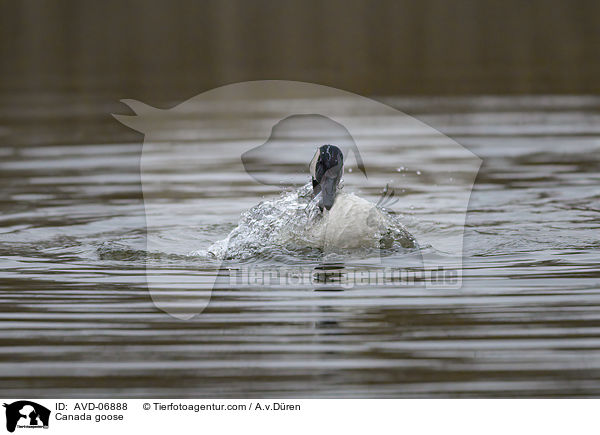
326 169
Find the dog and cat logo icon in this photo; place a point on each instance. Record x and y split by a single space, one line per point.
26 414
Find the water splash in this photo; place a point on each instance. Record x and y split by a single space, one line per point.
294 224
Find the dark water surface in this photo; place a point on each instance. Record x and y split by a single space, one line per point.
77 320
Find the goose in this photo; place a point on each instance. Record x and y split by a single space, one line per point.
319 215
349 221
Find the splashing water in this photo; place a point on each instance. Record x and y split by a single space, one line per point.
293 223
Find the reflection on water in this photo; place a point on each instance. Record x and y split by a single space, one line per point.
329 277
76 318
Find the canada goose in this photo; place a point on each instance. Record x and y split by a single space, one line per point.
317 216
